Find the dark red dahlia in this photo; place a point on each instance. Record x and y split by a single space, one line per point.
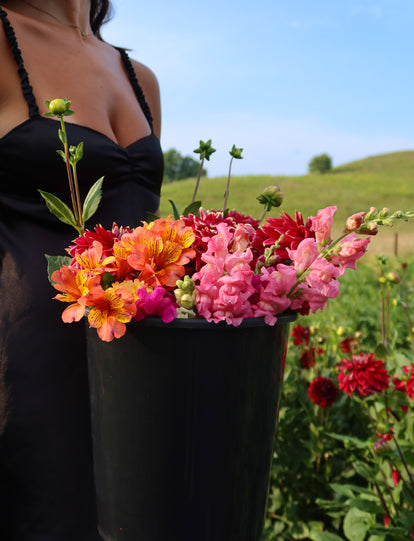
348 345
205 226
293 231
300 335
406 385
323 391
308 357
364 374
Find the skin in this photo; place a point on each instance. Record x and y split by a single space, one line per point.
61 64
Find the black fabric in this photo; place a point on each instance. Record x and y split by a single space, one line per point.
46 477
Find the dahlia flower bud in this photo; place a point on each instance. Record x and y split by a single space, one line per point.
236 152
393 278
205 150
271 197
355 221
59 107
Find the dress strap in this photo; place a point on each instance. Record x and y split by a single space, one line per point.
135 85
24 78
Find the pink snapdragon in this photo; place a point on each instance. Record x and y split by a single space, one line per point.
158 302
305 254
352 248
322 225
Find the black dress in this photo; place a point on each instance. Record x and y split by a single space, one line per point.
46 473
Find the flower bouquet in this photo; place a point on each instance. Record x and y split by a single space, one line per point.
184 406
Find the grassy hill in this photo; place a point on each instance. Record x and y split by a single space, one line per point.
381 181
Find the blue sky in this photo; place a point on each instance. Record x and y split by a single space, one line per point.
284 80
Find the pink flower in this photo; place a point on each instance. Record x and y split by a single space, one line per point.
305 254
323 277
322 225
351 249
355 221
272 287
159 303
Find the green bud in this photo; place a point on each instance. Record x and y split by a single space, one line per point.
371 214
205 150
236 152
58 106
271 197
393 277
384 213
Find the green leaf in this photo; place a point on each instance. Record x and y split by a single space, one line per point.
324 536
107 280
151 216
55 262
192 208
62 136
59 209
368 506
176 212
350 441
92 200
62 155
356 524
390 533
381 351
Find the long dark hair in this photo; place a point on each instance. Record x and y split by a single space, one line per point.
101 11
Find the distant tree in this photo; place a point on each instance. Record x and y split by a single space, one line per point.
320 164
178 167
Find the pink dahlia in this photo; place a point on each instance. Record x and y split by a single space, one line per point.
364 374
323 392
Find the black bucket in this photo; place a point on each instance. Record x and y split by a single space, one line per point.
183 422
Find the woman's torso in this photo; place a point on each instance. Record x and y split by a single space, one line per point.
45 453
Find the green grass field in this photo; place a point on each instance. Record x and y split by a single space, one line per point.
381 181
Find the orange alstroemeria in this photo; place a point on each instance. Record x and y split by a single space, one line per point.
74 285
160 251
91 258
111 309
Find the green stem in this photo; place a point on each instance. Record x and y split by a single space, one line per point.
200 171
70 177
383 503
404 462
263 215
78 200
228 185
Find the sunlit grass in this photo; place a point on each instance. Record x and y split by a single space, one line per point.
380 181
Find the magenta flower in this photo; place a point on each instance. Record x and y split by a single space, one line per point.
159 303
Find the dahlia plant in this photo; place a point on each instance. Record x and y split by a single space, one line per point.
219 265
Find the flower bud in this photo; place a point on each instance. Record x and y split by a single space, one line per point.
58 106
393 278
236 152
383 213
368 228
371 214
271 197
355 221
381 446
340 330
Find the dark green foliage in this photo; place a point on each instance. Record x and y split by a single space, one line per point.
178 167
320 164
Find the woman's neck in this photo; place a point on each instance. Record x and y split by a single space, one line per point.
68 13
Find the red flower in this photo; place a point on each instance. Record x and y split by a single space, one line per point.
363 374
395 476
406 385
386 521
308 357
293 231
300 335
348 345
323 392
106 238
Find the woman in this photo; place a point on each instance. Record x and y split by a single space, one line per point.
52 49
